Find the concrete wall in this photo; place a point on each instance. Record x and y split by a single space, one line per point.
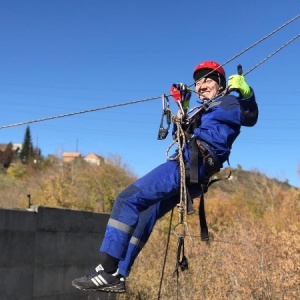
42 252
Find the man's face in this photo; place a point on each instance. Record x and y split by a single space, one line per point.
206 89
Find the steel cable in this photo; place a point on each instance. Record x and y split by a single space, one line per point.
158 97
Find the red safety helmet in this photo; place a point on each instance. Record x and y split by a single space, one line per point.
212 65
212 70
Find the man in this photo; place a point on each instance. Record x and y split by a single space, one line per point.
139 206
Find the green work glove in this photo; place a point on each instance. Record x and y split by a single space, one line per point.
237 83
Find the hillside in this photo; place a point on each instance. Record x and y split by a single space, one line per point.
76 185
253 251
253 221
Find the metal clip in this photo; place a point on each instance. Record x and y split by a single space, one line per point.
181 259
166 114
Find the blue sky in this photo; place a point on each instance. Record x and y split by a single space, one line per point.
64 56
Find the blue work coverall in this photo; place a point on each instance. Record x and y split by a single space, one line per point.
140 205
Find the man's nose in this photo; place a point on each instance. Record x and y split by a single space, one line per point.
199 88
203 87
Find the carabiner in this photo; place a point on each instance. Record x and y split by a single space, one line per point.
166 114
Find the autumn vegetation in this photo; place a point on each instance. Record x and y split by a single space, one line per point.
253 251
77 185
27 178
253 221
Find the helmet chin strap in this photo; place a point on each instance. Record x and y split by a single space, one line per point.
221 88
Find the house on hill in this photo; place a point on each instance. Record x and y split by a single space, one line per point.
93 158
9 153
70 156
15 147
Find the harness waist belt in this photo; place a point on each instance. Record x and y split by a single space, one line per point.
210 161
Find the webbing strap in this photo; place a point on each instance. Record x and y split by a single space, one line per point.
203 224
202 218
189 203
194 157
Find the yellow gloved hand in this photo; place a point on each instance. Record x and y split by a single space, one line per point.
237 83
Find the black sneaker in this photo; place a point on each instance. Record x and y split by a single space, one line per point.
99 280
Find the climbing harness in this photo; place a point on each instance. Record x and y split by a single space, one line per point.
185 206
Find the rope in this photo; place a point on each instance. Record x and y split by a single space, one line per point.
165 256
182 207
180 140
154 98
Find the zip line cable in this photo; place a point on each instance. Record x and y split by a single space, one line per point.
251 46
159 97
261 40
259 63
273 53
79 112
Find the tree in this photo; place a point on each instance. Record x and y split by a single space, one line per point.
27 152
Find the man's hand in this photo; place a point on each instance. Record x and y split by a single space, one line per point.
237 83
181 94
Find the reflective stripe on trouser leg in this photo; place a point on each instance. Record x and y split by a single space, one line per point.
161 183
143 230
